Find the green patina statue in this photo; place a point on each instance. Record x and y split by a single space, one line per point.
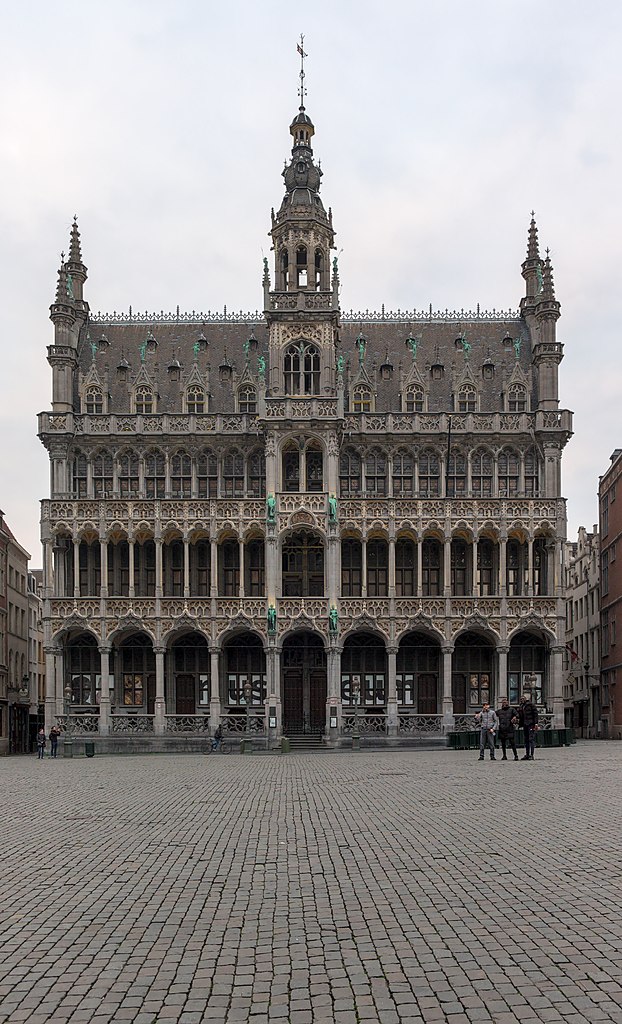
196 348
332 509
271 509
361 344
333 620
271 620
340 366
412 344
261 369
517 343
143 351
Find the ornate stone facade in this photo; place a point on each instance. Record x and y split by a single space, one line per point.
302 521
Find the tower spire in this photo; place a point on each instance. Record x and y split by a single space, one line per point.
532 269
302 92
75 269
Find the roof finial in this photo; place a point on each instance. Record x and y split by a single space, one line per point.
302 92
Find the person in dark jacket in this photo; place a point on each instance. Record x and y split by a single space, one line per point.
528 719
41 744
507 720
54 734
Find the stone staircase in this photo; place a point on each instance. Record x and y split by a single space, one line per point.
299 741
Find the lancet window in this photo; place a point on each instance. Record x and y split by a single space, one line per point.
302 369
195 399
94 400
144 399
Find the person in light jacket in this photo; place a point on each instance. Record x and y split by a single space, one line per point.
488 724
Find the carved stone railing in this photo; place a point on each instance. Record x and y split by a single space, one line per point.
309 501
410 723
465 723
367 724
237 723
131 724
187 724
290 608
374 607
301 408
79 725
545 720
432 606
252 607
422 511
184 513
461 423
156 424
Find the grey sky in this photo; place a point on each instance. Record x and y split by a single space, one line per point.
164 126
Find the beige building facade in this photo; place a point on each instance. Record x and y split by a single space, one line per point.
302 521
582 696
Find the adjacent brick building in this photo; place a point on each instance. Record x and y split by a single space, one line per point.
610 512
582 687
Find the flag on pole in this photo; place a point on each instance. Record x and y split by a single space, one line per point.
573 654
300 50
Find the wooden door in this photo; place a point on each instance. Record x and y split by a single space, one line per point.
459 693
184 694
317 700
427 685
292 700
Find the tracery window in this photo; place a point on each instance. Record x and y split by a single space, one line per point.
255 569
144 400
405 568
362 400
233 475
467 399
94 400
457 475
481 474
84 670
79 475
487 567
303 565
155 474
181 475
431 568
195 399
363 671
128 475
509 472
415 400
137 670
351 568
516 568
429 474
517 398
257 474
349 473
200 566
532 481
460 568
102 475
301 266
207 474
173 568
247 400
302 369
403 474
376 472
229 569
377 568
245 662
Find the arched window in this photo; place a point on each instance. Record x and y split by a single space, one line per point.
319 269
301 266
195 399
79 475
349 473
418 673
377 568
135 662
173 567
191 673
84 671
128 475
415 400
472 681
429 474
94 400
247 400
255 569
431 566
509 473
229 569
405 568
487 567
516 567
200 565
244 662
257 474
362 400
541 566
376 472
481 474
155 474
145 568
363 670
284 270
143 399
181 475
314 468
102 475
532 481
207 474
351 568
461 584
467 398
302 369
303 565
457 475
291 468
89 562
119 568
517 398
526 668
233 475
403 474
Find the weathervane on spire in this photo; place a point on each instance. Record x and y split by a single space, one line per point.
302 92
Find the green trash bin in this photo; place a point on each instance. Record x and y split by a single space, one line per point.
285 745
89 748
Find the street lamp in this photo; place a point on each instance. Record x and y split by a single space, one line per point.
356 694
67 739
248 691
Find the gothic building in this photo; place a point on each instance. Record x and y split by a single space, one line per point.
302 520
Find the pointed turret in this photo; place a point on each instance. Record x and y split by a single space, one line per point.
547 352
62 355
75 268
531 269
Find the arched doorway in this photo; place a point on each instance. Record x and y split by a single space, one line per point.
303 684
190 674
472 675
527 660
418 673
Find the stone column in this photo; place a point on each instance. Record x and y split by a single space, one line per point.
333 689
103 564
392 567
503 565
241 562
556 684
502 678
215 708
104 696
76 567
420 567
213 567
392 716
364 567
448 703
530 567
158 566
51 709
273 684
160 709
475 580
186 567
131 584
447 567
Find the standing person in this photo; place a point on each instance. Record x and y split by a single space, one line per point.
528 718
217 738
507 720
488 723
41 744
54 734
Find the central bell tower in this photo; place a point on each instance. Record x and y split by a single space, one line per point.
302 310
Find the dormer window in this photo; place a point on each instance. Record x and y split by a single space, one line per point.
144 399
467 399
362 400
195 400
94 401
247 400
517 398
415 401
302 369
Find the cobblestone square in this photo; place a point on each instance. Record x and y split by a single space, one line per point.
349 887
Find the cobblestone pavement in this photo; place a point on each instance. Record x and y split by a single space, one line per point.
347 887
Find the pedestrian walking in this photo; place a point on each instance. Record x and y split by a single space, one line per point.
488 724
217 738
54 734
528 719
507 720
41 744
